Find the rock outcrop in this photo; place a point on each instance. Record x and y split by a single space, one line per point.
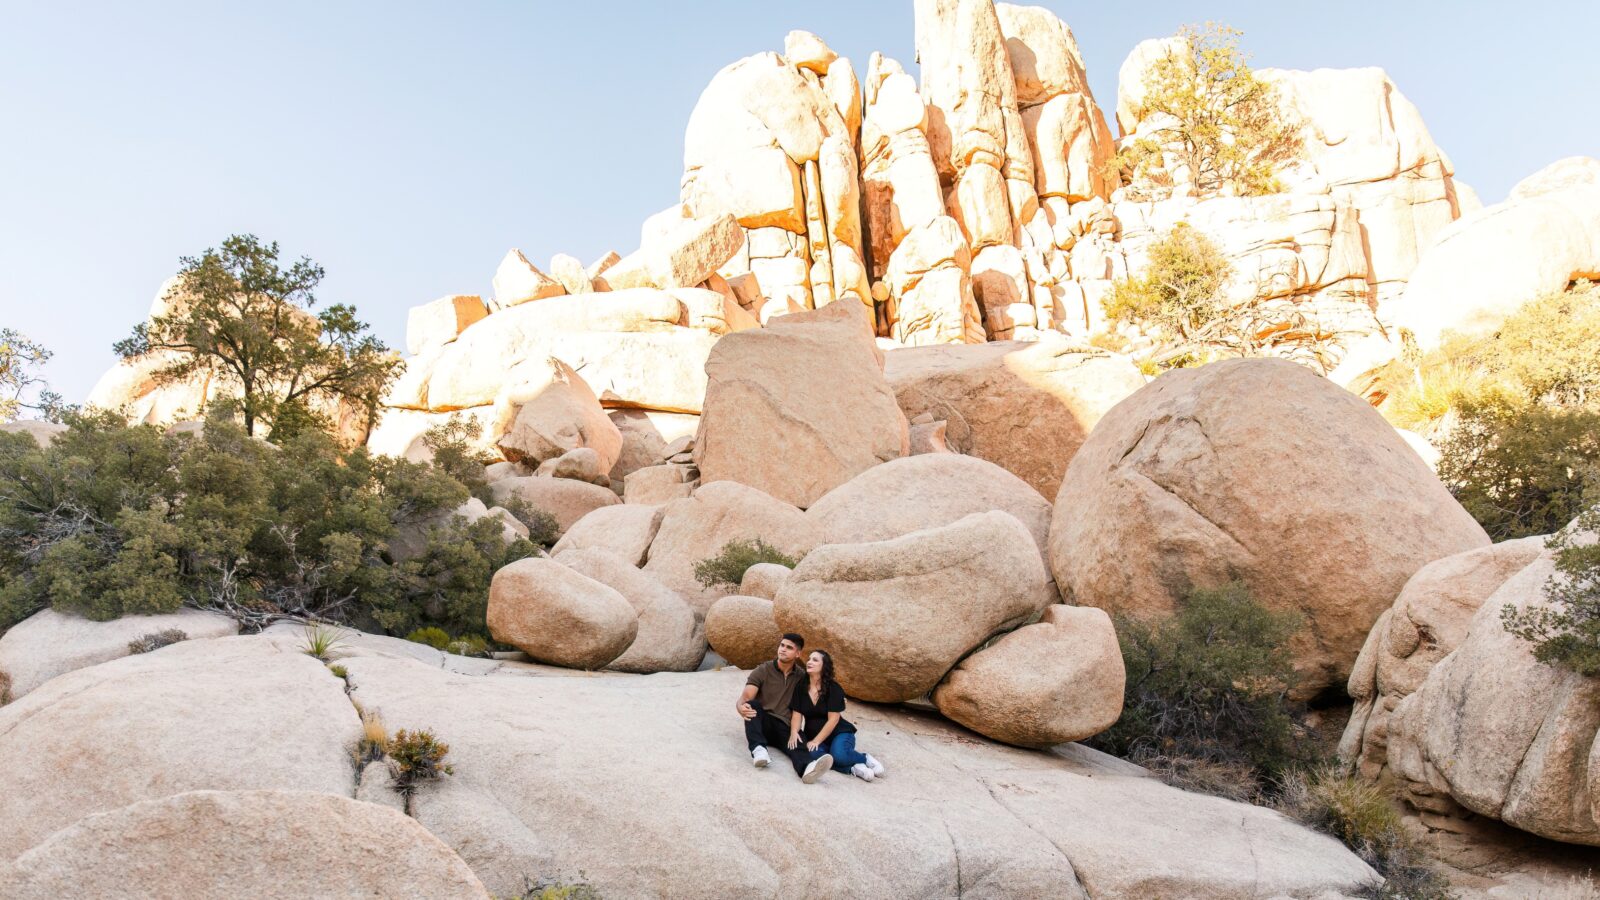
898 614
48 643
557 615
743 630
1262 472
668 639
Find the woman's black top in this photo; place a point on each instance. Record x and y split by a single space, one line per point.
815 715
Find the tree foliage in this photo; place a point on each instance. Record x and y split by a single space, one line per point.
1208 684
1565 631
111 520
236 314
20 360
1180 291
1207 120
736 558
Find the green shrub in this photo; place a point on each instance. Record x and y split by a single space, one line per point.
1363 816
1181 290
1565 632
728 566
417 756
156 640
555 890
1520 467
437 638
320 641
339 672
470 645
1208 685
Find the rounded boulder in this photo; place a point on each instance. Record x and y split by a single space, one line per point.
743 630
559 616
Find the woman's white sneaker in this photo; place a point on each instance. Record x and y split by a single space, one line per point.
817 769
874 765
861 771
760 757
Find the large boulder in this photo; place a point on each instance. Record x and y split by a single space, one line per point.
742 630
219 844
50 643
1495 732
1571 171
625 529
683 254
1025 406
518 281
559 616
699 526
547 409
435 324
917 492
668 639
645 434
1427 622
1059 679
799 407
898 614
1260 471
234 713
563 498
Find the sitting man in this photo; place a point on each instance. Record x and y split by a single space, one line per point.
764 706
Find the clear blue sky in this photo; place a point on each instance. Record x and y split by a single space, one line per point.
406 146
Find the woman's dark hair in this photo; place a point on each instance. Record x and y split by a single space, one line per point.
827 667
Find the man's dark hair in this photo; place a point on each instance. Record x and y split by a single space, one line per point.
795 639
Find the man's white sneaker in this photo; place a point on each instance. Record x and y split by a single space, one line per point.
861 771
760 757
874 765
817 769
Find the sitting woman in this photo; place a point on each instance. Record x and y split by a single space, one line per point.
815 716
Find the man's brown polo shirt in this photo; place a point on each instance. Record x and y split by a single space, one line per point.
774 690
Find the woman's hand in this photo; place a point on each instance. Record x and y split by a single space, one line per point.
813 745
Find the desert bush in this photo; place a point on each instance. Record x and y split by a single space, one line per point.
470 645
1565 631
156 640
1181 289
373 744
416 756
735 558
1363 816
1215 125
544 889
1521 467
320 640
112 519
5 689
1208 686
437 638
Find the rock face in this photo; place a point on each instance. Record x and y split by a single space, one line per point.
761 428
565 499
897 614
519 281
556 615
1060 679
1258 471
1065 823
698 527
242 844
1489 263
919 492
215 714
1025 406
1428 620
625 529
742 630
49 643
1495 732
1573 171
547 409
668 637
435 324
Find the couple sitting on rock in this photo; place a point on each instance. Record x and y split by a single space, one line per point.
800 711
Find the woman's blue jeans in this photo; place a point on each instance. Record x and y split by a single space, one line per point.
843 748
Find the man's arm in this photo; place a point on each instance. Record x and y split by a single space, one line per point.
743 705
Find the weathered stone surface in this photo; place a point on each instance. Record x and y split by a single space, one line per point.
625 529
899 184
242 844
1487 264
1025 406
1570 172
712 311
438 323
668 639
929 280
570 272
761 429
699 526
683 255
1427 621
558 616
518 281
1501 734
763 580
806 50
897 614
48 643
742 630
929 437
1254 470
655 485
1060 679
43 433
645 435
545 410
565 499
581 464
919 492
233 713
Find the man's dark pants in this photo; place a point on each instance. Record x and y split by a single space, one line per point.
765 728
